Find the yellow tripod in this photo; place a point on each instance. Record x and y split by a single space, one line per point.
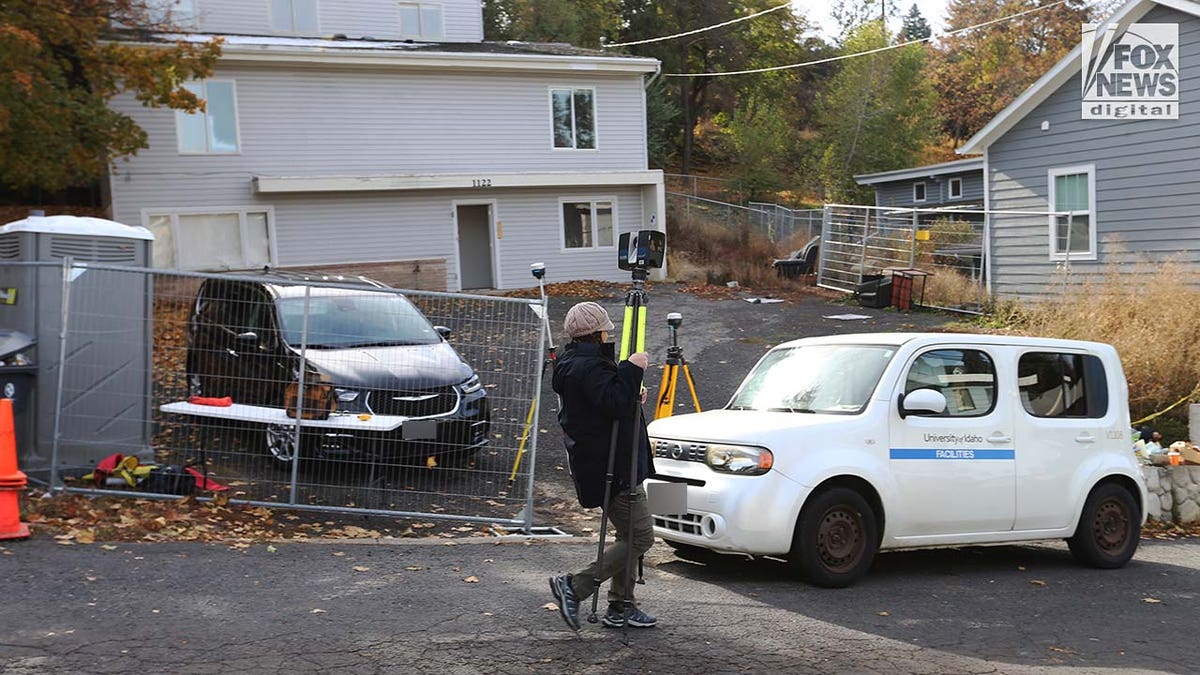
675 363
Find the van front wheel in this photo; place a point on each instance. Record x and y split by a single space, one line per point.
1109 528
836 538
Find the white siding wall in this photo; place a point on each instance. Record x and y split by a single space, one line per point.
378 19
297 121
1147 179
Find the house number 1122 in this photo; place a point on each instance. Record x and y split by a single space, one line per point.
481 182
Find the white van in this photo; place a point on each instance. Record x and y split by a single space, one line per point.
834 448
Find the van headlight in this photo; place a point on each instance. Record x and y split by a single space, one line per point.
470 385
739 459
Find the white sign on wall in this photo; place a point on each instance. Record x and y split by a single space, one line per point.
1131 75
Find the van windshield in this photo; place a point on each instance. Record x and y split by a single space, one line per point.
349 320
837 379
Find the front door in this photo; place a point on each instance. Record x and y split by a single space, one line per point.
954 471
475 246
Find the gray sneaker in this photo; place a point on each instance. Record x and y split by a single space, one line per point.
615 617
564 595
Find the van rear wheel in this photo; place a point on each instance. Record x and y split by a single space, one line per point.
1109 528
836 538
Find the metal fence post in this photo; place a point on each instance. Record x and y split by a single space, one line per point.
298 436
67 264
538 366
912 250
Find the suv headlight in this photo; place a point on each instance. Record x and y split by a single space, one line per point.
347 395
739 459
470 385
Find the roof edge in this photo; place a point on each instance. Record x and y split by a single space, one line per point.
953 166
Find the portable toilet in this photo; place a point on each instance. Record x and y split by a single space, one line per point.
106 377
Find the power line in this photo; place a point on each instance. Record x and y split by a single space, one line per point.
698 30
869 51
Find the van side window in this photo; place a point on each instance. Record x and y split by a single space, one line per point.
1062 385
966 377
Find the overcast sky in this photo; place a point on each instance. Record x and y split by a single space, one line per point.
818 12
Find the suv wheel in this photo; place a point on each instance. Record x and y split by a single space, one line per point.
836 538
1109 528
279 442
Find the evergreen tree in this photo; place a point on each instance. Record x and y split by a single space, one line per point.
915 26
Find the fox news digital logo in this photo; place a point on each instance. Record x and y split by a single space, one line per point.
1131 76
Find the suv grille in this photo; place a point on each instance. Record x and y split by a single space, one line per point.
687 523
683 451
413 403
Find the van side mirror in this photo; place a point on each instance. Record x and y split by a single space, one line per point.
928 401
443 331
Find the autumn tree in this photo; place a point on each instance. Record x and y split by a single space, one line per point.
979 72
877 114
61 61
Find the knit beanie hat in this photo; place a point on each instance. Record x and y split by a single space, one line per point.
586 318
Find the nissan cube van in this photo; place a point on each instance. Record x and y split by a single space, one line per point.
835 448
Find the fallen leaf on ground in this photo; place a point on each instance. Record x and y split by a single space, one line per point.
550 606
413 568
1037 582
317 611
472 580
883 613
1153 601
361 568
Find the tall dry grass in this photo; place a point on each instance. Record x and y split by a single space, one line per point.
713 248
1148 312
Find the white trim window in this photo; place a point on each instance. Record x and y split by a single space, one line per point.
180 13
954 188
225 239
422 20
215 129
294 16
573 118
588 223
919 191
1073 193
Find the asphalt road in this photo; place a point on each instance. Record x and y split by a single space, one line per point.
478 606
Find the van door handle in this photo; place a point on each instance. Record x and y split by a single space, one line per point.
1085 437
998 438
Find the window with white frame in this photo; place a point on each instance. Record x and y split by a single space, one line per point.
573 115
421 20
175 12
219 240
1073 228
955 188
294 16
587 223
919 191
215 129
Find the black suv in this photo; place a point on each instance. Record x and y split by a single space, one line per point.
380 380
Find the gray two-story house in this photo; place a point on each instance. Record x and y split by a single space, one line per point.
1102 177
388 138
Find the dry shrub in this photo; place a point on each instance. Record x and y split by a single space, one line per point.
947 287
1147 310
725 247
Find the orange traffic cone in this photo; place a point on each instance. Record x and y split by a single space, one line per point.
12 481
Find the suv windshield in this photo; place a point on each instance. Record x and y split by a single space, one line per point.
351 319
814 379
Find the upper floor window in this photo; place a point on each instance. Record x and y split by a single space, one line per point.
955 188
587 224
573 112
294 16
214 130
919 192
421 20
180 13
1073 229
966 377
222 240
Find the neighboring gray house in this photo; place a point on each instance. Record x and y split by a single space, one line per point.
387 138
1130 184
956 184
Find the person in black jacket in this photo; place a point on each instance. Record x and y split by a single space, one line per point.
595 391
